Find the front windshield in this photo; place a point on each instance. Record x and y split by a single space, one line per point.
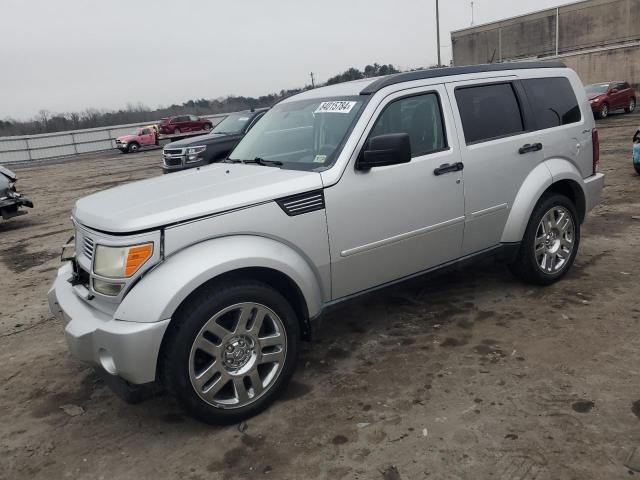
303 135
234 123
597 89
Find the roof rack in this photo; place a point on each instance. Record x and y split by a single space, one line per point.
448 71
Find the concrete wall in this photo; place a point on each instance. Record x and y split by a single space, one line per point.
614 64
588 24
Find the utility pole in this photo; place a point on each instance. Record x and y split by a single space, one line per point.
472 14
313 80
438 30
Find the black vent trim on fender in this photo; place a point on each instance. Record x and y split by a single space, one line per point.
302 203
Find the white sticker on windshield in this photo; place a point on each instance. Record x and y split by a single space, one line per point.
335 107
243 119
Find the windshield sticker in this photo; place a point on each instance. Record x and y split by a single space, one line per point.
320 159
243 119
335 107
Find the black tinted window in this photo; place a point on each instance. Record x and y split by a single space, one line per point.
420 117
553 101
489 111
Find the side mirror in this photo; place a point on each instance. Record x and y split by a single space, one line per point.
383 150
614 90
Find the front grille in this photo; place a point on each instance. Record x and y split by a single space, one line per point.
302 203
172 151
172 162
87 248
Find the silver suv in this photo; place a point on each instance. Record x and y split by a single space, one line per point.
207 280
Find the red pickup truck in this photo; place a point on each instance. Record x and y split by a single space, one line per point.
141 137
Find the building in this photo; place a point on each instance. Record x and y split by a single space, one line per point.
600 39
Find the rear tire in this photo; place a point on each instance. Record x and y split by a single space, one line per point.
550 242
133 147
207 127
637 167
177 131
230 351
632 105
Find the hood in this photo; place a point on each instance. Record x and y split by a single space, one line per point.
126 138
185 195
591 96
208 139
8 173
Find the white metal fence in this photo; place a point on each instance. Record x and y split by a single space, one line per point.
64 144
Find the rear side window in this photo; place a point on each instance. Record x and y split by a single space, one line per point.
419 116
489 112
553 101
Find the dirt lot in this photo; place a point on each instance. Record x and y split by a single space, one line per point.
470 375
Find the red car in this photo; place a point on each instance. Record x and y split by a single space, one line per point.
607 97
183 123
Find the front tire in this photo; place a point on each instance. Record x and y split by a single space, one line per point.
637 167
230 351
133 147
207 127
604 111
550 242
177 131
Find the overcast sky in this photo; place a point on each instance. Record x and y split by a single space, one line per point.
66 55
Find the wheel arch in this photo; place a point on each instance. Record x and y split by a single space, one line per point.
172 283
554 175
281 282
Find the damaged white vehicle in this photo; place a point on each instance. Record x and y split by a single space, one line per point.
10 199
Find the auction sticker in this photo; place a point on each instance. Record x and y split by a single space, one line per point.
335 107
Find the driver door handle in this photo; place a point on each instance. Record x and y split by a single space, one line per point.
448 167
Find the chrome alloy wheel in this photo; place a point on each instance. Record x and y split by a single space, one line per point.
554 240
238 355
632 105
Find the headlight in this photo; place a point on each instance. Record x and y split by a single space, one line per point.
121 262
194 153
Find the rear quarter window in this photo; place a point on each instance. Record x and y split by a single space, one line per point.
489 112
553 101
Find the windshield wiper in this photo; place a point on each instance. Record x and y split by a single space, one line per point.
264 163
231 160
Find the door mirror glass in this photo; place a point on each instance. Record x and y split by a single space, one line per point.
383 150
614 90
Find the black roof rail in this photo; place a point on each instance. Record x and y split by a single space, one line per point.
448 71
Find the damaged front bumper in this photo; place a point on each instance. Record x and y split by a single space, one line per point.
128 350
10 205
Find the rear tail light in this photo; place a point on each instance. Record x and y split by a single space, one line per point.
595 141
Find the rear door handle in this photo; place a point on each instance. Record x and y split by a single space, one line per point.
448 167
530 147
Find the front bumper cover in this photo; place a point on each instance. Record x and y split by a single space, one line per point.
128 350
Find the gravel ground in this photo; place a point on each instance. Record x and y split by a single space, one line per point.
468 375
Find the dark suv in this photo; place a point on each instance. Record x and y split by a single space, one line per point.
205 149
183 123
607 97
